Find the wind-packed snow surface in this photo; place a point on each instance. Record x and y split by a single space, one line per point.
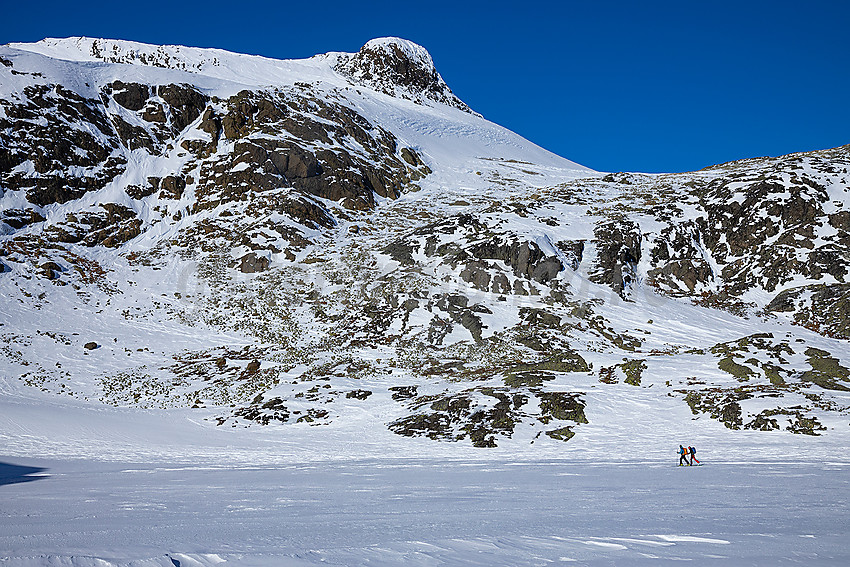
424 512
460 368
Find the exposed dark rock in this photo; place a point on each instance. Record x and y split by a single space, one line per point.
250 263
411 157
139 192
633 369
50 270
689 272
272 410
618 245
561 406
432 425
721 405
133 137
534 373
743 216
826 371
296 163
400 252
390 63
763 422
574 251
154 112
483 415
171 187
186 104
477 273
111 227
562 434
337 174
539 318
457 308
403 392
19 218
526 259
730 415
42 129
822 308
840 220
131 96
358 394
211 124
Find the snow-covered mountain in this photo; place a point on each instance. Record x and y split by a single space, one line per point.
341 250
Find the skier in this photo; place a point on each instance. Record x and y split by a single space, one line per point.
693 453
683 456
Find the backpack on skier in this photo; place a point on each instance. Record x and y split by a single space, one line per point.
693 454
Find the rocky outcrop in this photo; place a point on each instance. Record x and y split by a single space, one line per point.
525 258
485 415
618 245
68 142
478 252
19 218
111 227
761 226
131 96
185 104
171 187
398 67
251 263
160 112
302 158
717 235
458 308
822 308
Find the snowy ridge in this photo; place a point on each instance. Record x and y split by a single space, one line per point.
398 61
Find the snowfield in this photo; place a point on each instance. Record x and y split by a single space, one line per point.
120 487
392 511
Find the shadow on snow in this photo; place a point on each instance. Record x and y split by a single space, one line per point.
12 474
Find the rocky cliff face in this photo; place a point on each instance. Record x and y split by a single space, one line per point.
399 68
474 299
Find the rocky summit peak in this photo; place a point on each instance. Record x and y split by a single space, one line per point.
401 49
399 67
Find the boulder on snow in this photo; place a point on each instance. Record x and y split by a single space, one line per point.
50 270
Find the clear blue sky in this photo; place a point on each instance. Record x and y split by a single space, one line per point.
617 85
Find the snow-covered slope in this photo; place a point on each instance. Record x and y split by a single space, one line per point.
216 255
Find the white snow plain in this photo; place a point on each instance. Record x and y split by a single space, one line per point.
127 487
397 511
